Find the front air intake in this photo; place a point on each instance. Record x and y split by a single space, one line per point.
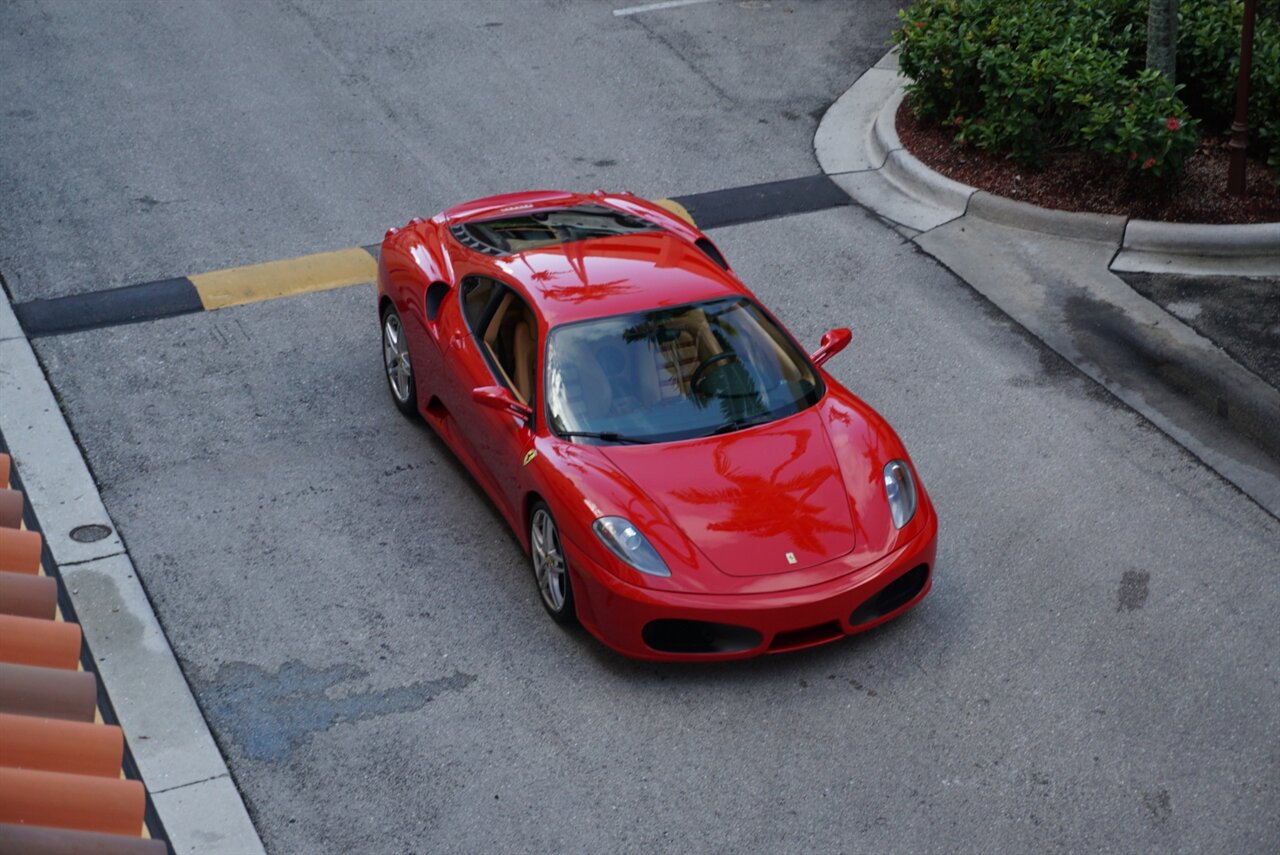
893 596
696 636
795 639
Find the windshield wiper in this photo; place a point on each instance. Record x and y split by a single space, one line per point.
607 436
739 424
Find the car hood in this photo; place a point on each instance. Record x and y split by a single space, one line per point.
767 499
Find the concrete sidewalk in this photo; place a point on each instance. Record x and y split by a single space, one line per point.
1055 273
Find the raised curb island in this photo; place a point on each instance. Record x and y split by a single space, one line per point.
1251 249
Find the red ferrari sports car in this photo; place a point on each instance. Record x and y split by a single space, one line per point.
689 484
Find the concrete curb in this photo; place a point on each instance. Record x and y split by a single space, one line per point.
1196 248
907 171
1252 267
1068 224
837 142
858 147
1051 271
1199 239
884 130
170 741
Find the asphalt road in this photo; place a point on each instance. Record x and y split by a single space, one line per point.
1241 315
139 144
1094 670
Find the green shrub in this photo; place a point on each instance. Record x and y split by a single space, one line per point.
1209 64
1027 77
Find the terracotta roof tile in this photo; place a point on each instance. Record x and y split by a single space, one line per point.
20 550
28 596
36 641
66 784
52 745
85 802
35 840
11 502
48 692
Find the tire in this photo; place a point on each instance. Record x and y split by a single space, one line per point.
397 366
550 568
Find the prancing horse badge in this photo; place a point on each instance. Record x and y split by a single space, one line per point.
791 558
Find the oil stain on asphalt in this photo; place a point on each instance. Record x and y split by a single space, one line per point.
1159 805
1133 590
269 715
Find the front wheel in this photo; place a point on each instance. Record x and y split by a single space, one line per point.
550 569
395 359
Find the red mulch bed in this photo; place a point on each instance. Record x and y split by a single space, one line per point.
1085 182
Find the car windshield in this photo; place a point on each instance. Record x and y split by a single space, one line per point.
677 373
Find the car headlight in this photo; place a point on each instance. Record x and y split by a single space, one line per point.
900 487
625 541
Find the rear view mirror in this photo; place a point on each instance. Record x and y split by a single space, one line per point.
498 398
833 341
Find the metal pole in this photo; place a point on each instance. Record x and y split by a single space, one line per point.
1240 128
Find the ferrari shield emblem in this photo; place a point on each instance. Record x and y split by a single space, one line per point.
791 558
533 452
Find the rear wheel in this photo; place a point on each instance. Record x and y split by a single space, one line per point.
395 359
550 569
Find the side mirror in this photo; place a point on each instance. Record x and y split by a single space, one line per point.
498 398
833 341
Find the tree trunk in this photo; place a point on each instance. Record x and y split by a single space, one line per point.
1162 37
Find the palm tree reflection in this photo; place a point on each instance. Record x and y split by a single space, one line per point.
586 293
771 505
584 290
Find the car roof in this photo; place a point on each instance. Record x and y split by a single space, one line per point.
615 275
603 276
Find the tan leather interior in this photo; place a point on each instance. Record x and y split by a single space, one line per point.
524 354
678 359
512 341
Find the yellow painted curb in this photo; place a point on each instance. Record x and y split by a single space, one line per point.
676 208
319 272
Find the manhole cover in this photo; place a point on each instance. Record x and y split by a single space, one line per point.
89 533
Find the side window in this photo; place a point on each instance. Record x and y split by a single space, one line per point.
477 293
511 343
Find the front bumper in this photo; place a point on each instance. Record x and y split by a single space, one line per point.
632 620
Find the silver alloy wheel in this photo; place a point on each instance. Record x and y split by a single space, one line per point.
548 560
396 356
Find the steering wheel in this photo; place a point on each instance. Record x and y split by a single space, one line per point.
699 373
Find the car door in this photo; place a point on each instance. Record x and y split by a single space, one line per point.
500 348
